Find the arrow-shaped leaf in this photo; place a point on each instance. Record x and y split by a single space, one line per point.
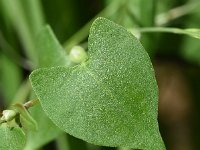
111 99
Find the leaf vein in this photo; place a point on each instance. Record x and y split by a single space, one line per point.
104 87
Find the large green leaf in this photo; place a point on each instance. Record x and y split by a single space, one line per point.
12 138
111 99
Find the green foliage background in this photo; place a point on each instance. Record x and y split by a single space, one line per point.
22 22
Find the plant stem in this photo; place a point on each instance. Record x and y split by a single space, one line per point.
31 103
10 52
195 33
161 29
175 13
123 148
27 105
62 142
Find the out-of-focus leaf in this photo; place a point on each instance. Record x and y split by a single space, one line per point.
50 52
46 132
26 119
111 99
11 76
147 12
34 14
21 25
12 138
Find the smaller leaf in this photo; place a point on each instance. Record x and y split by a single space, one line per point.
26 119
50 52
12 138
46 132
11 77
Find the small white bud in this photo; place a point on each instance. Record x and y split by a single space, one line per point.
8 115
77 54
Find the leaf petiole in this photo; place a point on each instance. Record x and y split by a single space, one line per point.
8 115
31 103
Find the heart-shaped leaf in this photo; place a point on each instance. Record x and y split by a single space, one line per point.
111 99
12 138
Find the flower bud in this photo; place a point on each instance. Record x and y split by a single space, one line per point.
8 115
77 55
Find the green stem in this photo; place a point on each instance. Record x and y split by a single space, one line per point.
22 109
31 103
123 148
195 33
161 29
62 143
175 13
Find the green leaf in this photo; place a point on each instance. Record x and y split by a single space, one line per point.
12 138
11 76
111 99
147 12
26 119
50 52
46 132
21 25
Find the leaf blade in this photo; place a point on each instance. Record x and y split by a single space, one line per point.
50 52
11 138
92 100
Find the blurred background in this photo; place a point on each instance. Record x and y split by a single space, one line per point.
176 59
